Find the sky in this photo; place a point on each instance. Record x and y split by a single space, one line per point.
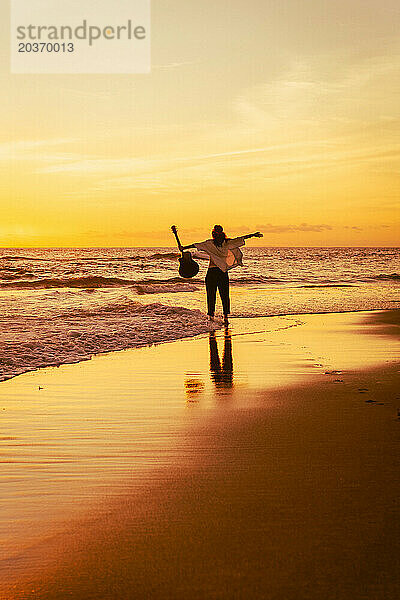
280 116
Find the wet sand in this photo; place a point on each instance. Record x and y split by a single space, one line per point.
261 462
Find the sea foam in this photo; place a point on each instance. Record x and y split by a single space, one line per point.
77 335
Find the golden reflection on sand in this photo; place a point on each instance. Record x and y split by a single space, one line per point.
121 421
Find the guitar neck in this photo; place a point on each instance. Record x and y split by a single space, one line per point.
177 239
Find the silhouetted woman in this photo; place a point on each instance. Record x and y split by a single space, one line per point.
224 255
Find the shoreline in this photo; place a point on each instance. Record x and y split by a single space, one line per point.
262 480
205 330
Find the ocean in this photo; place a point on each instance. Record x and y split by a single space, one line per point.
63 305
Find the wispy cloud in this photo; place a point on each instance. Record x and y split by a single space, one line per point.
309 94
313 122
269 228
173 65
36 150
214 170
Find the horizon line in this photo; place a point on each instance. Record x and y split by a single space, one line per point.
174 247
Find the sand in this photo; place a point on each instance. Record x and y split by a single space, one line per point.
257 463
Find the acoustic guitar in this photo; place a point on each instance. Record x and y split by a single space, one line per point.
187 266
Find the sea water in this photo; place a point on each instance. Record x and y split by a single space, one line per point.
63 305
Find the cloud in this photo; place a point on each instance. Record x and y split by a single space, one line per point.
174 65
234 169
312 94
269 228
37 150
308 119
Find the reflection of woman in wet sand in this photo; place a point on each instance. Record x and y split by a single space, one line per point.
221 376
224 255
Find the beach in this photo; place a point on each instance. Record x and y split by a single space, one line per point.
259 461
199 300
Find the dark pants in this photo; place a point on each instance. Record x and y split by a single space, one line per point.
217 279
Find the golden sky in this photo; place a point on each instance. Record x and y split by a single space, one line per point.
275 115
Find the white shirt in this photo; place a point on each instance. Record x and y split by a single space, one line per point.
226 256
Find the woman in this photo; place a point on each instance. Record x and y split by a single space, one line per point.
224 255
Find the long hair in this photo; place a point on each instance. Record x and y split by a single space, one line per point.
218 234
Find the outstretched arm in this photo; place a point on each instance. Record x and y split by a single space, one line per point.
244 237
250 235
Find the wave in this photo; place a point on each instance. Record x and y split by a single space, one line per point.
14 273
98 259
386 277
75 259
166 288
20 270
16 257
95 259
254 279
14 277
99 281
78 335
172 284
23 279
165 255
94 281
327 285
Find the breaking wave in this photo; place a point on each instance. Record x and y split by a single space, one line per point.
166 288
77 335
386 277
23 279
143 286
96 281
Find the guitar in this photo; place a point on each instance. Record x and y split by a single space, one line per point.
187 266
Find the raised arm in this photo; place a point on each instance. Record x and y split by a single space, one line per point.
250 235
243 237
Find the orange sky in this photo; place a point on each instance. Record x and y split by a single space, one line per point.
281 116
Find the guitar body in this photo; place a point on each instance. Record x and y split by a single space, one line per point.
188 268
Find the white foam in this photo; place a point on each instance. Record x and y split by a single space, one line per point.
78 335
171 288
